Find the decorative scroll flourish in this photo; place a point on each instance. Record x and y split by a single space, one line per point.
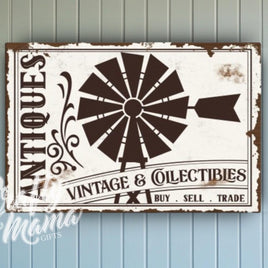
62 142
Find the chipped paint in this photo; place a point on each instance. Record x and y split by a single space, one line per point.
231 72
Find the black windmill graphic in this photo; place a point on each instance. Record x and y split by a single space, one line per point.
133 108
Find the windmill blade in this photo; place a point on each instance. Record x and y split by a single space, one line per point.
133 150
154 145
111 145
154 70
170 129
95 86
111 70
177 108
172 85
95 129
221 108
133 64
88 107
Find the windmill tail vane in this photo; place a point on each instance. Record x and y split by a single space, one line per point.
133 111
221 108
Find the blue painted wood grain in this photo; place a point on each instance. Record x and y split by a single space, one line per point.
181 240
43 252
112 16
157 20
228 224
112 248
5 249
21 11
135 23
90 233
67 25
89 21
180 21
142 240
157 247
157 225
181 243
134 232
251 224
205 227
90 240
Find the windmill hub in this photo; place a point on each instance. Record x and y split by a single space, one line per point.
133 107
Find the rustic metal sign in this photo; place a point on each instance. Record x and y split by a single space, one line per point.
133 127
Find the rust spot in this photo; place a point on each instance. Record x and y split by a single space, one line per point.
211 183
231 72
148 45
49 183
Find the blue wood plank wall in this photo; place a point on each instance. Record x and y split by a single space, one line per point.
142 240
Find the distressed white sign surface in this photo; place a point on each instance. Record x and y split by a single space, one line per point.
133 127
